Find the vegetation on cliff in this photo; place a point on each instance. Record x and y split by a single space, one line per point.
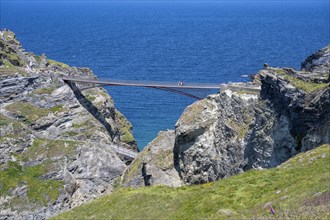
39 191
309 85
58 139
125 129
297 189
56 142
154 165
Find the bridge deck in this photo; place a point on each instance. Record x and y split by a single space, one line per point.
144 83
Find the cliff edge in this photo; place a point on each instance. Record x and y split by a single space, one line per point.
58 141
242 128
233 132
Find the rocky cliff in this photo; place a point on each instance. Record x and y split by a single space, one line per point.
57 140
154 165
297 189
242 128
232 132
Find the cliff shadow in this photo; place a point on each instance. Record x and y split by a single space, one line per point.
176 158
90 107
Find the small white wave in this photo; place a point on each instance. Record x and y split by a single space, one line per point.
245 76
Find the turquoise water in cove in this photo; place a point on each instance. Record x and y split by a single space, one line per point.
168 41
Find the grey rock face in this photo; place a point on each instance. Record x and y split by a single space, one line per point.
13 87
233 132
216 149
241 129
318 120
154 165
91 173
56 141
318 62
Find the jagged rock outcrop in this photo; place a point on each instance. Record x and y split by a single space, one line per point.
247 126
57 139
13 87
207 124
318 62
154 165
232 132
306 104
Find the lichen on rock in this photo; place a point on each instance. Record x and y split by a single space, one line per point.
246 126
154 165
57 144
233 131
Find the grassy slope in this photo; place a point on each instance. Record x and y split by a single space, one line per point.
40 191
300 188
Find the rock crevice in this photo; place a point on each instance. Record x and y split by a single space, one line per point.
57 142
255 125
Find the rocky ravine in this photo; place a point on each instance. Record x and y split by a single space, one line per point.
235 131
56 142
154 165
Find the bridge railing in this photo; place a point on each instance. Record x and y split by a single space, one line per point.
155 84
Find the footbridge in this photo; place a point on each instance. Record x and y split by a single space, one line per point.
122 150
192 90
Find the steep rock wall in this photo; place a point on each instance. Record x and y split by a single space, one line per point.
241 129
56 141
154 165
232 132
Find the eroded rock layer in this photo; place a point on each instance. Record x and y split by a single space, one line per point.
57 140
253 126
154 165
232 132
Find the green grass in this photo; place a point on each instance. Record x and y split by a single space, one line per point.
8 55
135 168
125 128
127 137
38 58
81 125
48 149
4 121
247 92
42 91
307 86
57 108
29 112
8 69
194 111
12 58
90 98
303 178
38 191
70 133
7 64
84 130
56 63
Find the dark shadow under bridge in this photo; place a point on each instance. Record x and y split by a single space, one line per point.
192 90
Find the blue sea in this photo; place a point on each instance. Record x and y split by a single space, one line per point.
168 41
